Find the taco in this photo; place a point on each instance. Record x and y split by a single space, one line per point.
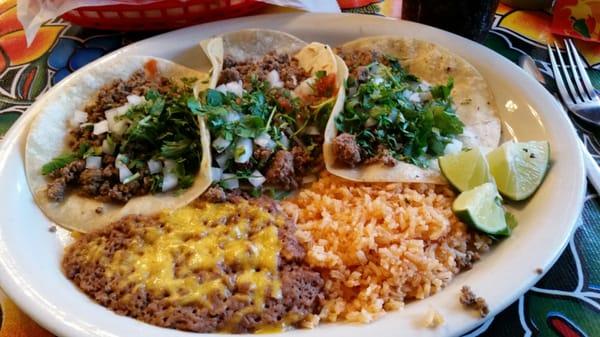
407 103
270 101
119 140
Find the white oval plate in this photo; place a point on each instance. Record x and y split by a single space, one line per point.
30 255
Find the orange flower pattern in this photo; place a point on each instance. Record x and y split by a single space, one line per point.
577 18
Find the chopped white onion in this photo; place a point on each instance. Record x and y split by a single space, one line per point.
221 88
312 130
232 116
243 150
220 144
131 178
223 158
121 160
169 182
393 115
124 172
216 173
79 117
135 99
93 162
284 140
118 111
305 88
274 80
425 86
415 97
454 146
407 93
256 178
264 140
377 80
235 88
370 122
154 166
108 147
230 181
100 127
116 125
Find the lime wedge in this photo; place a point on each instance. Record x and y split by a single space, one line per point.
465 170
481 208
519 168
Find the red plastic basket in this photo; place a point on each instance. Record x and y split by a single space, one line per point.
166 14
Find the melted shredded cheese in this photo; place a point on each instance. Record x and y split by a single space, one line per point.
212 239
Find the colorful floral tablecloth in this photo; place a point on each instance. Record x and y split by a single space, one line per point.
565 303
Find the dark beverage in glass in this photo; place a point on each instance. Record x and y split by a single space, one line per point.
469 18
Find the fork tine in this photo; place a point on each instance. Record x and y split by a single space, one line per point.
576 78
558 78
567 78
582 70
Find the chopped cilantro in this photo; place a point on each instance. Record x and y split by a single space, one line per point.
391 109
185 181
131 178
66 158
58 163
443 91
249 126
275 115
165 126
276 194
214 97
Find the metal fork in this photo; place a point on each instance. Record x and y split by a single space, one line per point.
578 94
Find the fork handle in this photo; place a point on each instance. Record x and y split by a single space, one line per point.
593 170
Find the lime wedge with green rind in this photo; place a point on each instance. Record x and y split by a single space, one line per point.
519 168
466 169
481 207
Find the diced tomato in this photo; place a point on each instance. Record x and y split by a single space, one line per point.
325 86
284 104
151 68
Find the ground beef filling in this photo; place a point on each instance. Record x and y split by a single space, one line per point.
472 301
346 150
301 287
103 183
284 169
290 72
358 60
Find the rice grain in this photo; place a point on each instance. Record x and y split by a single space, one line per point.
380 245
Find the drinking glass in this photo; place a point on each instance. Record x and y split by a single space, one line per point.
469 18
